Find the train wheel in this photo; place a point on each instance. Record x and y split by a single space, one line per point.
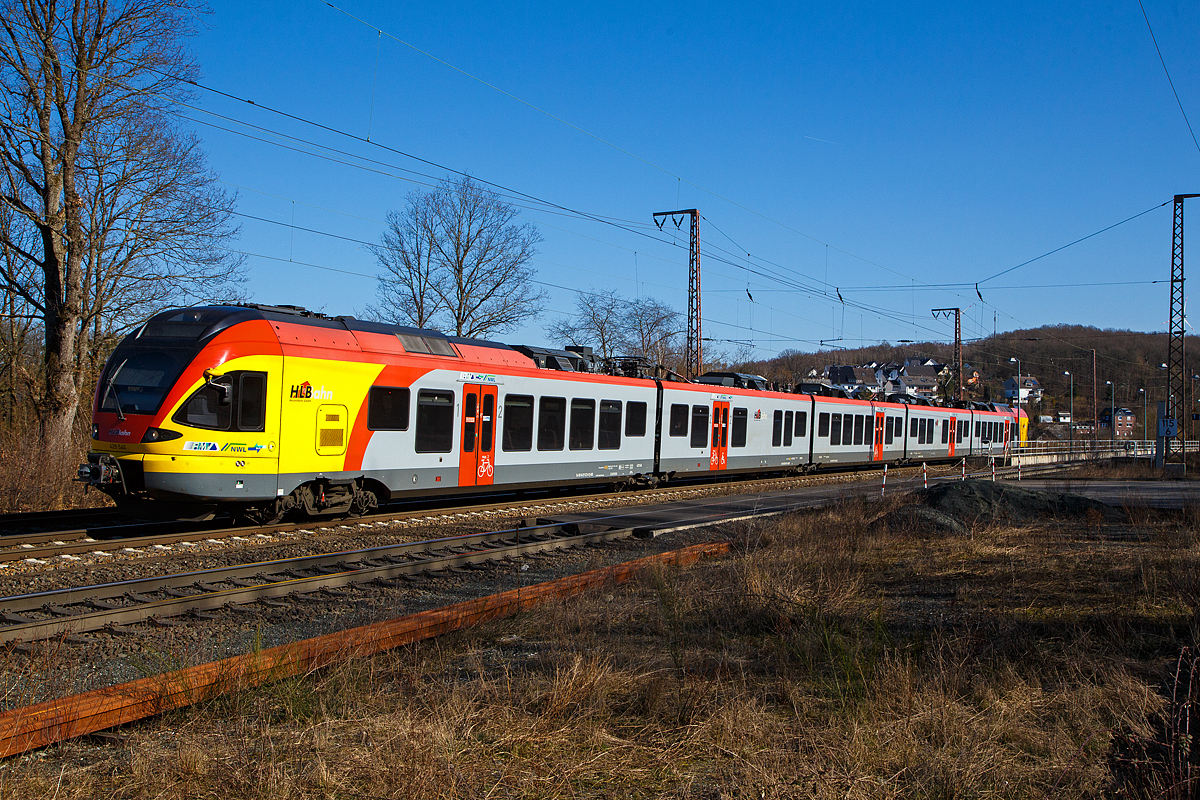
270 515
365 502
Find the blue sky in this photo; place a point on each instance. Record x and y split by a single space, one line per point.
876 150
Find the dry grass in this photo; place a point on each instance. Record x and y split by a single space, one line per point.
31 480
828 658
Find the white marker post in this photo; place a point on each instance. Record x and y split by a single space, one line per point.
924 475
883 489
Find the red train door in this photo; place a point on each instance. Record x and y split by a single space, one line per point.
719 452
478 449
878 451
953 423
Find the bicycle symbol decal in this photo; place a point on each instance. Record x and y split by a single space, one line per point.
485 467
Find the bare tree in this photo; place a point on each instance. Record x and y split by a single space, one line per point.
107 203
456 257
598 322
652 331
616 326
406 295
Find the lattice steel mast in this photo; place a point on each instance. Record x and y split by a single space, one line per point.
1176 373
693 359
958 345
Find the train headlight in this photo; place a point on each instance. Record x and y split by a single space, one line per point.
95 431
159 435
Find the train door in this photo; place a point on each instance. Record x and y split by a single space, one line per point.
719 453
877 453
953 423
478 441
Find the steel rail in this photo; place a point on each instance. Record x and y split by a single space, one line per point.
353 567
697 483
15 552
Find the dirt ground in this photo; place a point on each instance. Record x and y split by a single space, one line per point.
976 640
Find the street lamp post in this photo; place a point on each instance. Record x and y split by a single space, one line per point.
1112 411
1017 361
1071 424
1192 408
1144 429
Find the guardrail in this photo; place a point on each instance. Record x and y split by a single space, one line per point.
1087 450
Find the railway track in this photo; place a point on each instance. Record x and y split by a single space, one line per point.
42 545
326 576
70 612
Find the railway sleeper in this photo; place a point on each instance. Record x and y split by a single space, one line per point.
60 611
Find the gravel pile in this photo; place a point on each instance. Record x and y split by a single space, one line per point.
950 508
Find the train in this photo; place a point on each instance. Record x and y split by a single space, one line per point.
260 411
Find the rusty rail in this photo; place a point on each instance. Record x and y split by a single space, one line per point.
31 727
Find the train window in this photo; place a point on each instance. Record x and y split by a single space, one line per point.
212 405
835 429
470 403
435 421
610 425
679 420
913 428
518 422
978 429
583 424
859 423
887 431
847 429
822 425
252 401
787 429
899 427
387 408
801 423
552 423
208 407
724 427
945 432
777 429
699 426
738 434
635 419
487 425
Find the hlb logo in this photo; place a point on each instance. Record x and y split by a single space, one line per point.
305 391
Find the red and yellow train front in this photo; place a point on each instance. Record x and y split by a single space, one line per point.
187 410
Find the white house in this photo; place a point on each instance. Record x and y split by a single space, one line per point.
1031 390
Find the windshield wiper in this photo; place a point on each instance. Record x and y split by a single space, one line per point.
112 387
